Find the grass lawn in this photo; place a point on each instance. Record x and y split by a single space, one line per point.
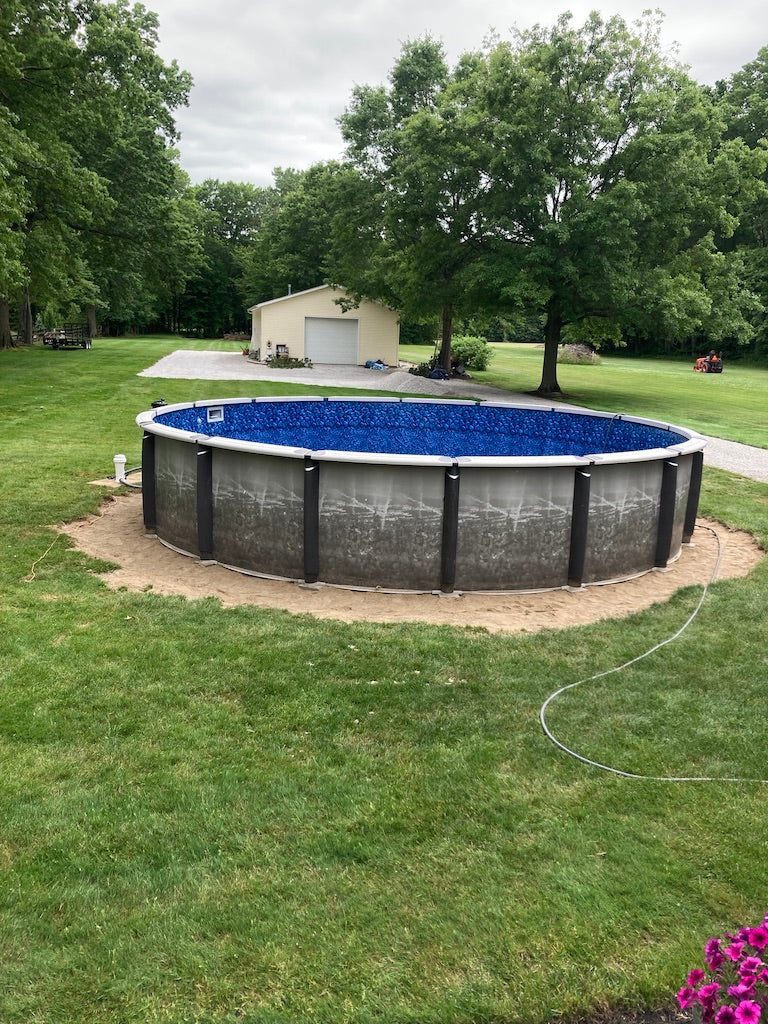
730 405
241 815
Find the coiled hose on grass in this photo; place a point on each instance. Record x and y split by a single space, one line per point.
619 668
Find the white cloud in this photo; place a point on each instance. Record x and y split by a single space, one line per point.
270 80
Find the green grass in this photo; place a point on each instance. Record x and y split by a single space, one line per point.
241 815
730 405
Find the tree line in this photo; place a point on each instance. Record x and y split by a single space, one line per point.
572 182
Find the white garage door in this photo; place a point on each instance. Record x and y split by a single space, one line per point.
330 340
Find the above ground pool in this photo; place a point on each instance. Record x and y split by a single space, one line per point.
419 494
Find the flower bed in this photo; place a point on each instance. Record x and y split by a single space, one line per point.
734 987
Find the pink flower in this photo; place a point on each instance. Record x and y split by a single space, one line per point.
749 965
708 992
744 988
742 1001
685 997
747 1012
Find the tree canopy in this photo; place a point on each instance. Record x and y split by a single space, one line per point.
611 185
418 146
577 169
571 178
297 246
744 98
91 177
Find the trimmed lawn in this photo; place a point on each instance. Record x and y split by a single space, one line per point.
241 815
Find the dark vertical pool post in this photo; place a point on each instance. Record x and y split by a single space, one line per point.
148 487
582 482
666 513
450 530
694 491
205 503
311 520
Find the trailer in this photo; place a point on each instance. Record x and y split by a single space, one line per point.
68 336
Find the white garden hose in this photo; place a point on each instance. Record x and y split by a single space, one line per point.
617 771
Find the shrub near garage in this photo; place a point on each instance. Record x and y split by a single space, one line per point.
471 352
475 353
289 363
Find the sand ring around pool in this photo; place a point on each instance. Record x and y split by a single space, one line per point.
117 535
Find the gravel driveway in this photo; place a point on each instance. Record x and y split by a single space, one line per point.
189 364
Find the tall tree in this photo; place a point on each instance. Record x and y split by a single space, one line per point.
16 150
745 100
38 77
416 143
230 215
610 184
123 129
92 101
15 204
306 232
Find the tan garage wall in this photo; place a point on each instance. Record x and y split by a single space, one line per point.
282 322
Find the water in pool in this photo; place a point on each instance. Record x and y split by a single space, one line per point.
422 429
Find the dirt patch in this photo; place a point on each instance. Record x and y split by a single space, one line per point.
117 535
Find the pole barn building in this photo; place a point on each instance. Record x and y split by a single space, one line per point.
311 325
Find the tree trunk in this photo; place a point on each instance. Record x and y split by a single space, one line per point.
445 342
26 323
552 329
6 339
93 327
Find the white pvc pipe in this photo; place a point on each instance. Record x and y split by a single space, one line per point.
120 461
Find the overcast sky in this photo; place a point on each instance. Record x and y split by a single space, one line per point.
272 76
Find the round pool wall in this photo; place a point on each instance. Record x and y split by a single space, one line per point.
419 494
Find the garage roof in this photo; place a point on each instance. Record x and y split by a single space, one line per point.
293 295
